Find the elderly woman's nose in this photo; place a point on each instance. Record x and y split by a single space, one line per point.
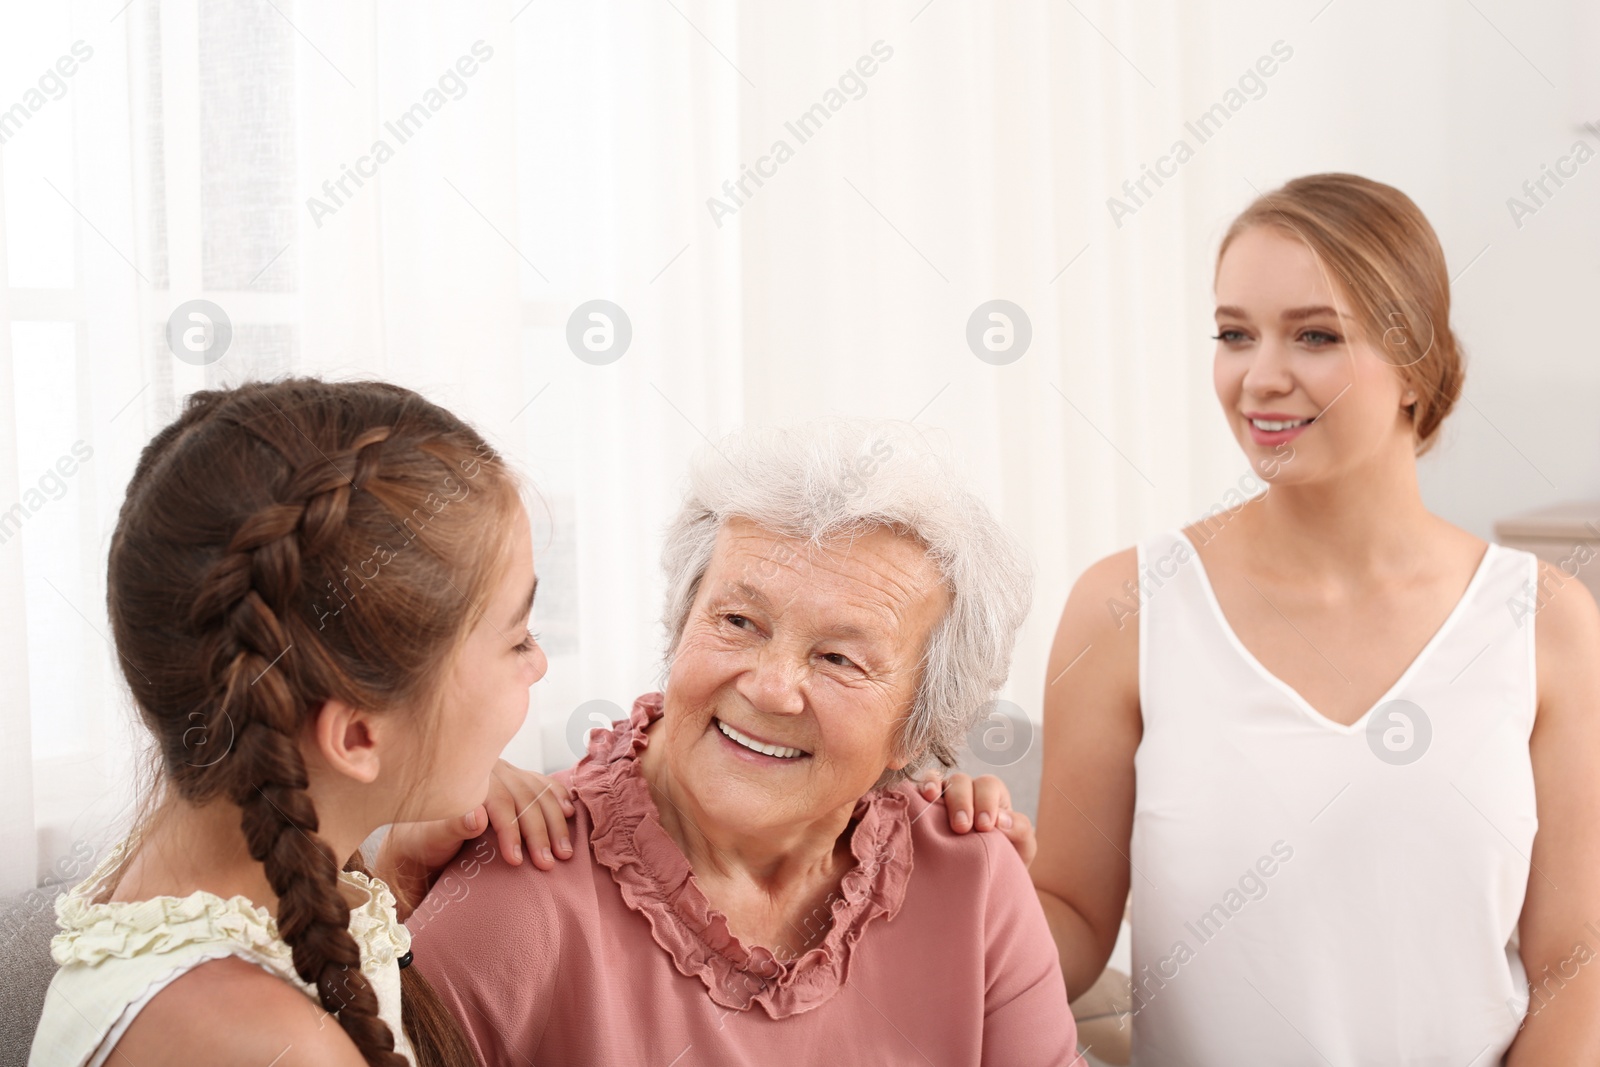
773 685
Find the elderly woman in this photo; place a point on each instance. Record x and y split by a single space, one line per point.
753 878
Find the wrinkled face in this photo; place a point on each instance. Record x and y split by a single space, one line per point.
1307 395
795 673
486 697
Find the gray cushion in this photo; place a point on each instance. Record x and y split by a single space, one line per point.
27 923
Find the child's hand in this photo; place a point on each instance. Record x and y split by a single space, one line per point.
984 803
532 808
522 807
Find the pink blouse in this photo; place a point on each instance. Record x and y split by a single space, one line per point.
617 956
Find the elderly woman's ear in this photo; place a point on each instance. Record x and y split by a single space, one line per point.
982 803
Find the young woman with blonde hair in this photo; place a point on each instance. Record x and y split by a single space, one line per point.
1349 777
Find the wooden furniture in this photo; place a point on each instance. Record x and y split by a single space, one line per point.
1566 535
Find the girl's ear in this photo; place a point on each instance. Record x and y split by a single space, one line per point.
347 739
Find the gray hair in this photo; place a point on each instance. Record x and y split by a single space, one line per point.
841 477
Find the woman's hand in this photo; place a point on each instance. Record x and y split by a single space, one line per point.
527 811
983 803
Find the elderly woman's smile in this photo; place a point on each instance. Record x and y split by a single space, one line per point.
756 746
797 667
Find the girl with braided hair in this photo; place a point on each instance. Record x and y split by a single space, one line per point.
319 595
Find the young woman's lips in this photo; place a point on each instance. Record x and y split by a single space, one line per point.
1284 428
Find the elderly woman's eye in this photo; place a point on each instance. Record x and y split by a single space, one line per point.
838 659
737 620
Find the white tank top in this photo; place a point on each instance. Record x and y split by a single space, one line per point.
1311 893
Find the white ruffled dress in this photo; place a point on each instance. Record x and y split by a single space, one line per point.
116 957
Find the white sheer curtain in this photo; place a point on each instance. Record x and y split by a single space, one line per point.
575 163
974 167
178 165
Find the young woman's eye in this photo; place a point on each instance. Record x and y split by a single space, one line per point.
1319 338
530 641
1229 336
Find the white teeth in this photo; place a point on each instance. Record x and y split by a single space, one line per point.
756 746
1273 426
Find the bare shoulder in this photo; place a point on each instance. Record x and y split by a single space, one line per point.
1098 636
1105 596
1566 637
229 1011
1566 609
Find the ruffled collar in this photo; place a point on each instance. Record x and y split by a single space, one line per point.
92 933
656 881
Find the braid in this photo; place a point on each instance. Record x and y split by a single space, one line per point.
243 597
242 522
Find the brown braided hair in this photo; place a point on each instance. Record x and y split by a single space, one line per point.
283 544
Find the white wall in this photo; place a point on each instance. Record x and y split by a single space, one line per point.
1432 98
